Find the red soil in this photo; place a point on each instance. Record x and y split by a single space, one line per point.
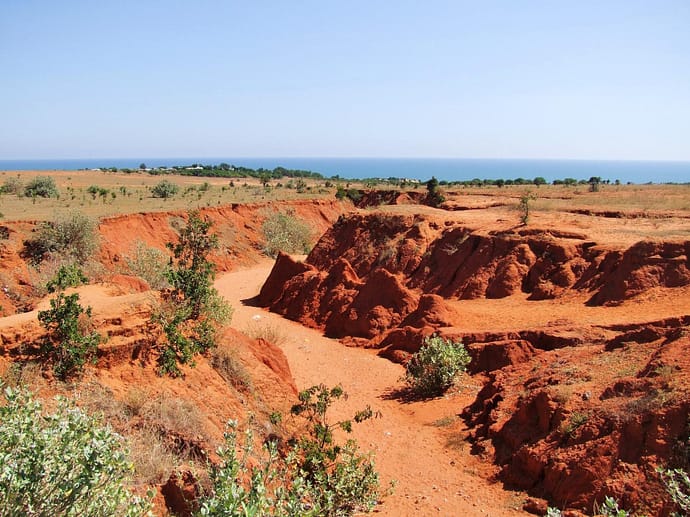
578 333
564 305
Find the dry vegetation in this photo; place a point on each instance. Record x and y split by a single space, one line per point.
132 193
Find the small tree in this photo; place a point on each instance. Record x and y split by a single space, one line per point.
193 311
524 206
41 186
434 196
93 190
594 182
70 342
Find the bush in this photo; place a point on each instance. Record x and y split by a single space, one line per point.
64 463
12 186
341 481
352 194
71 235
193 312
284 232
432 370
69 275
316 477
148 263
41 186
272 489
164 189
70 343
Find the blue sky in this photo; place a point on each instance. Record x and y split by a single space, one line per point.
496 79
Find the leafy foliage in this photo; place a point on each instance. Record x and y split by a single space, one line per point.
432 370
68 343
352 194
272 489
341 480
41 186
317 477
64 463
677 483
609 508
284 232
193 311
164 189
69 275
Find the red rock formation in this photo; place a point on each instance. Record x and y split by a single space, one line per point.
573 435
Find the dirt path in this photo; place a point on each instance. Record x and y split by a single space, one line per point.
416 444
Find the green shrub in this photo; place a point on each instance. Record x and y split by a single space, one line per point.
69 275
148 263
283 231
64 463
317 476
71 235
192 312
69 343
432 370
352 194
341 481
271 488
164 189
41 186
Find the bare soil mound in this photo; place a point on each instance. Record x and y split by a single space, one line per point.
557 423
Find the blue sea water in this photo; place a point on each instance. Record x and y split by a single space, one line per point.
449 169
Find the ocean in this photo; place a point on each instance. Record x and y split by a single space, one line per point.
449 169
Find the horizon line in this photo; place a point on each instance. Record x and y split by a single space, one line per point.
637 160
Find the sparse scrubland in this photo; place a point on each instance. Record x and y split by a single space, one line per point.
542 337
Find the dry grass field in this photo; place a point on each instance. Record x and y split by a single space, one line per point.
131 193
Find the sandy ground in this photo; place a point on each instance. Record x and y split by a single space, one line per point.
418 445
